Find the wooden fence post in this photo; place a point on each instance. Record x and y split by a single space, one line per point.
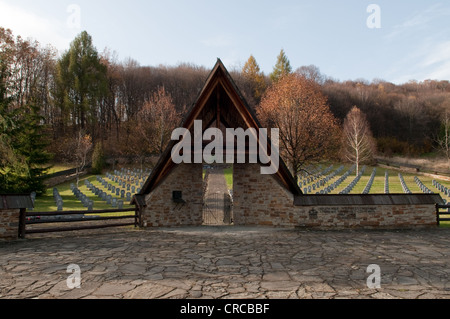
22 223
438 215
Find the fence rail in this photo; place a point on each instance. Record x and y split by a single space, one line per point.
42 218
440 212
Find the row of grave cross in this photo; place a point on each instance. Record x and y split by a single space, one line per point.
422 186
128 175
386 182
322 183
83 198
118 191
109 199
58 199
406 190
353 183
370 183
441 188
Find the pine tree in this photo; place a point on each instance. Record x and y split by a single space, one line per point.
98 159
29 143
253 74
81 82
282 68
9 161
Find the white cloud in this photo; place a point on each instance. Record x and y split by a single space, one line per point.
423 39
419 21
438 54
430 61
437 62
29 25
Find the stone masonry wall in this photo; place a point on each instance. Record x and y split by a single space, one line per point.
259 200
161 211
9 224
367 217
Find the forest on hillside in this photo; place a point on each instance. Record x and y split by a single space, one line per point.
117 103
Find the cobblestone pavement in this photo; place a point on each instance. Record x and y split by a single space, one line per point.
233 263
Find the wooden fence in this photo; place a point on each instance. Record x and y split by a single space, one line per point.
442 213
68 217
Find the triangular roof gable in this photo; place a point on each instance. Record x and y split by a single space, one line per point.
218 76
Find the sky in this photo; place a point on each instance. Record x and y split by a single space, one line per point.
396 41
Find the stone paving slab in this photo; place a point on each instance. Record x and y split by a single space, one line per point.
228 262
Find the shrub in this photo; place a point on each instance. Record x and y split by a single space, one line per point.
98 159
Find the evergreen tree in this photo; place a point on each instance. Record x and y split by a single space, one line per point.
81 82
253 74
98 159
282 68
9 161
23 157
30 143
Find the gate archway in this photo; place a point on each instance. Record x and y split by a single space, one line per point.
220 105
217 199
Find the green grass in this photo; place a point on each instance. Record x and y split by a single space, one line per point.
47 203
394 183
229 177
379 181
56 168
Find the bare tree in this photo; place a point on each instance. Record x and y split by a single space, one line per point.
443 140
157 119
83 148
311 72
358 143
152 130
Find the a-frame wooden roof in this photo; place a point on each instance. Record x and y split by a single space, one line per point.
218 101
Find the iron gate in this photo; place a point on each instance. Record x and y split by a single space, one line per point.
217 210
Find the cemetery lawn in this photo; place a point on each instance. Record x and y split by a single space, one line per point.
46 203
395 186
378 185
56 168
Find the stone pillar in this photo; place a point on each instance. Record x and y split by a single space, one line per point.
162 211
260 200
9 224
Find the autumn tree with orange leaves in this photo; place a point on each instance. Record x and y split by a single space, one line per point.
308 130
156 121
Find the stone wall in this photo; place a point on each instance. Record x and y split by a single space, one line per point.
259 200
162 211
55 181
367 217
9 224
